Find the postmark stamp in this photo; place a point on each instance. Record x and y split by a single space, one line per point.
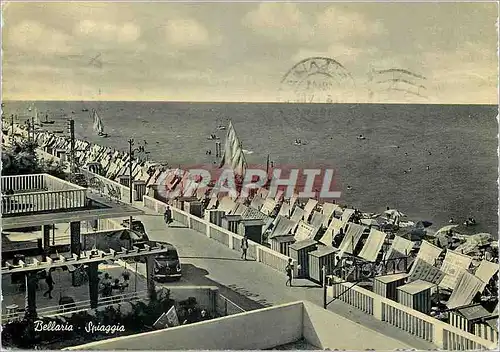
317 80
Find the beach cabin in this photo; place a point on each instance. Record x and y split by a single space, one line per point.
124 180
281 243
416 295
476 320
231 222
140 189
215 216
323 256
193 207
252 228
298 251
386 285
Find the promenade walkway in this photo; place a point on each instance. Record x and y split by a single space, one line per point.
207 262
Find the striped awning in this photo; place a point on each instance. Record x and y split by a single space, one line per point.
422 270
305 231
328 211
226 204
268 207
399 248
485 272
298 214
285 210
317 219
373 245
282 227
346 215
454 265
257 202
331 231
352 237
466 288
308 209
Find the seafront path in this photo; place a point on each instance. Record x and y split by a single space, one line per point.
250 284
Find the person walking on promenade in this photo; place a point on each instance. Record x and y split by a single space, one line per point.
50 282
289 272
168 215
244 247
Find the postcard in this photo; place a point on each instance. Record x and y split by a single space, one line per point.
249 175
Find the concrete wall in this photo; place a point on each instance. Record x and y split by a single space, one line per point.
259 329
325 329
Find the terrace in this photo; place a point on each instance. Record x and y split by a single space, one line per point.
39 193
41 199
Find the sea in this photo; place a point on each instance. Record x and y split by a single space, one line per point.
450 149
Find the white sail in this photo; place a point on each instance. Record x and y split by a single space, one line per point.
98 126
233 152
36 117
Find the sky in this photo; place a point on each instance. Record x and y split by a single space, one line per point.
443 53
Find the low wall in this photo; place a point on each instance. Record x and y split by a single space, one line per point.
260 329
108 187
319 323
100 183
442 334
231 240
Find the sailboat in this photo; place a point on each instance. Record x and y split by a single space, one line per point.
47 122
98 126
36 118
233 155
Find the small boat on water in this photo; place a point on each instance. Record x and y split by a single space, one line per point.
298 142
221 128
98 125
213 137
47 122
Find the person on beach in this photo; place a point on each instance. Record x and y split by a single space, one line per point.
50 282
289 272
244 247
168 215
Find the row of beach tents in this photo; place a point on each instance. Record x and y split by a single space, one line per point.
459 273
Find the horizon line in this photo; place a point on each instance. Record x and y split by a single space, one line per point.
241 102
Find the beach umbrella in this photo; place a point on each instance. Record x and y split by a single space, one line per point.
482 239
445 229
467 247
394 212
369 222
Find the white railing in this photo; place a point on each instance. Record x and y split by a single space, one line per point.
17 183
442 334
77 306
44 201
256 251
108 187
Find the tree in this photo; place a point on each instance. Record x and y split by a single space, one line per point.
21 159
